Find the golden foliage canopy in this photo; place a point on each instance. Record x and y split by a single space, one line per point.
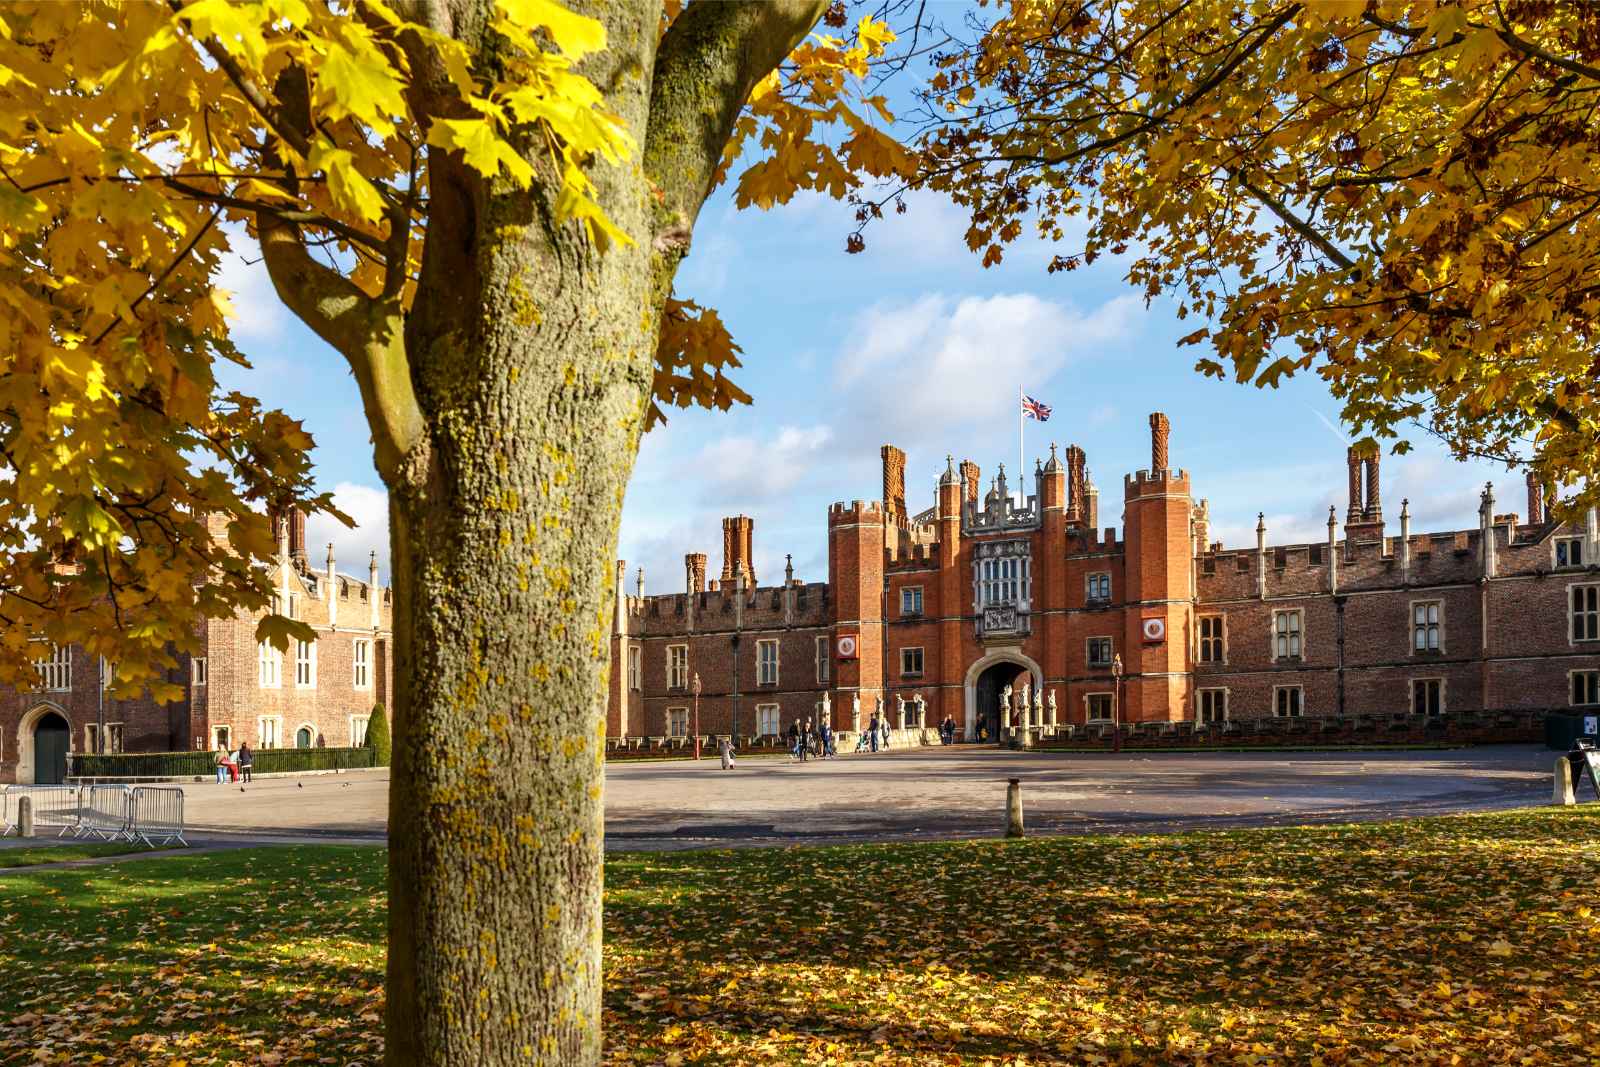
140 143
1400 196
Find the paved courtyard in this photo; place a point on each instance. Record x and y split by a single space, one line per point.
959 792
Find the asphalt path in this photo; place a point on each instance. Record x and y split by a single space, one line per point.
941 793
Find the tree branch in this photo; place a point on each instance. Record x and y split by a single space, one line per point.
368 332
706 67
1295 222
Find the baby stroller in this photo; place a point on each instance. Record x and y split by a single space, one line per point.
863 742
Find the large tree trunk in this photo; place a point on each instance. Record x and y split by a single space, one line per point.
531 353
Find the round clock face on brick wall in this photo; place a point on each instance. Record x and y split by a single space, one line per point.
847 647
1155 629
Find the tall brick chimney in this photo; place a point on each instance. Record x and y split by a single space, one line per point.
1535 500
694 572
1077 484
738 550
969 481
1353 460
1160 430
297 539
1374 507
894 485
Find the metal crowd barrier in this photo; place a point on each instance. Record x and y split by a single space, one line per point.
155 813
152 814
54 807
104 813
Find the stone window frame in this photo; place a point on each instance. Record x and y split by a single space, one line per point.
1199 702
55 669
777 720
905 593
261 732
635 667
222 736
922 661
1572 613
824 647
1200 639
269 666
1572 682
1088 652
198 672
677 673
361 664
1272 637
116 734
1089 583
1444 685
365 721
681 715
1411 626
305 656
1088 703
762 645
1300 701
1555 552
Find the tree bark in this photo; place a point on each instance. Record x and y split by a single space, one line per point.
530 357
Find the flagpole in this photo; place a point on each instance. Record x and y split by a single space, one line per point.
1022 494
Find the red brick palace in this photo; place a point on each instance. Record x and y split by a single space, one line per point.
935 613
236 690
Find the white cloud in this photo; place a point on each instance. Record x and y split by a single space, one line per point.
738 468
918 371
369 507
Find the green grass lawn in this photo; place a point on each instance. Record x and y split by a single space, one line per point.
1458 940
77 850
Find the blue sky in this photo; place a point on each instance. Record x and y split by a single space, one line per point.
913 343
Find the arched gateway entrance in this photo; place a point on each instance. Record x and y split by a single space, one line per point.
986 680
43 739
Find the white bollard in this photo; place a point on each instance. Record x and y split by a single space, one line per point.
1565 795
1014 808
24 816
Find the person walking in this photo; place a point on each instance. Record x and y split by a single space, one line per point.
220 758
727 754
794 739
827 741
885 727
247 762
872 731
805 740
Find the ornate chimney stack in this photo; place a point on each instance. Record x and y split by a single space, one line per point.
894 485
1535 500
969 481
737 541
1353 458
1373 511
1160 431
297 539
1077 486
694 571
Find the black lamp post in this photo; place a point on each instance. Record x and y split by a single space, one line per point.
1116 703
694 687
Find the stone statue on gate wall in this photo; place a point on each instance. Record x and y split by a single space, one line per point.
855 713
826 711
1051 705
1005 707
922 711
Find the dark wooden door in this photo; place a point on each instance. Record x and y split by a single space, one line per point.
50 751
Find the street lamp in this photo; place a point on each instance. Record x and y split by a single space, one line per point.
694 687
1116 703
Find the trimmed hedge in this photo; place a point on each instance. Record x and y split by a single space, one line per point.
203 764
378 736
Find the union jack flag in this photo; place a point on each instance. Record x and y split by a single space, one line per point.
1034 409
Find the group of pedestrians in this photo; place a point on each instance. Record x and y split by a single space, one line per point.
875 736
235 765
947 731
806 740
